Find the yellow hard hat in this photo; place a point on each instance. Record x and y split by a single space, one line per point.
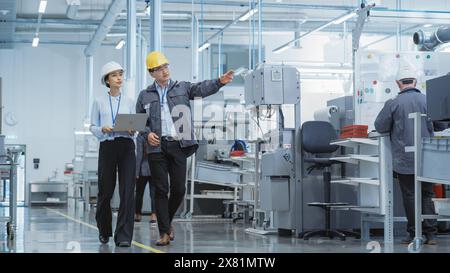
155 59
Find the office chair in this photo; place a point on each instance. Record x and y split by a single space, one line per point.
316 138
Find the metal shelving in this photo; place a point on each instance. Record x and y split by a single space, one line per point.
374 161
237 187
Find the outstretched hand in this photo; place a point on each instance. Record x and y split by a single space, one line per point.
227 77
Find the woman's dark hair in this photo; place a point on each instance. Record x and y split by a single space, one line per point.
104 79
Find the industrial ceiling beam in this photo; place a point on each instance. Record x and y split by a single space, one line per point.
107 22
131 40
267 5
155 25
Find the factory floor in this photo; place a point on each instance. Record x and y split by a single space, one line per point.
55 230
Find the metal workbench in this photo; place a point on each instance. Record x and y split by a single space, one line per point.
418 241
8 170
375 185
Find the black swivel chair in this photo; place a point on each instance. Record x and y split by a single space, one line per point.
316 138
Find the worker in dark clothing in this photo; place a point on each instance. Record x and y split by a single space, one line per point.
394 119
143 177
170 134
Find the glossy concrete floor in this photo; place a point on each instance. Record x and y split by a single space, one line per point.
55 230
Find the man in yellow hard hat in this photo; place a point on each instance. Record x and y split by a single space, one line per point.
170 134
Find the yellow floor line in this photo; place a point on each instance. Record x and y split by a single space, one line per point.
94 227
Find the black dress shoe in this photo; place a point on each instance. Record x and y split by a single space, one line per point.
123 244
103 239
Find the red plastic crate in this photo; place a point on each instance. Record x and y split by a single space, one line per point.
350 131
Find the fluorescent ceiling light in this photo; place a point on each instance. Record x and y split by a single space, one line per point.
427 25
82 133
281 49
116 35
248 14
35 42
344 18
42 6
203 47
120 44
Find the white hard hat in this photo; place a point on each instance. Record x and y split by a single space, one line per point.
108 68
406 71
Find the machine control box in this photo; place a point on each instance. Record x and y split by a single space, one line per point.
272 85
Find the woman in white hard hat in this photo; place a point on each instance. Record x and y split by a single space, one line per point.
117 153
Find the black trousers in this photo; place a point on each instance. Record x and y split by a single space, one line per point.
406 181
141 182
170 162
116 155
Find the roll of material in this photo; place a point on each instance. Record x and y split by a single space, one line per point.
324 114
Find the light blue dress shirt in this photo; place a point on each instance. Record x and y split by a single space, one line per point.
103 112
167 126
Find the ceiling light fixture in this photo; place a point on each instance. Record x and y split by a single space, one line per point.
248 14
120 44
35 42
42 6
281 49
203 47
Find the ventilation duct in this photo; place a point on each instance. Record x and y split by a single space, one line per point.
428 41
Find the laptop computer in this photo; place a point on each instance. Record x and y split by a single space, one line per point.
135 122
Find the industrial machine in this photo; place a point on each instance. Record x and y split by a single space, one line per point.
267 89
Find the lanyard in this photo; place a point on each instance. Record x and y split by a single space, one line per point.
164 92
113 117
163 96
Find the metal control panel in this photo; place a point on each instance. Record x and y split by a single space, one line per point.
272 85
